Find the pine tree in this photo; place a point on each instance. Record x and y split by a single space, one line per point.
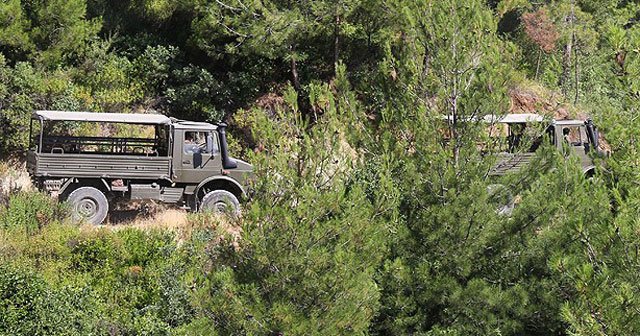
14 27
61 30
313 236
301 40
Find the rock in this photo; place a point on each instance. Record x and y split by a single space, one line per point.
523 102
14 181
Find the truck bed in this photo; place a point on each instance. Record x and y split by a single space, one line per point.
509 163
99 166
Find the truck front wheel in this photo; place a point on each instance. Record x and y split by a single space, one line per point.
88 204
220 201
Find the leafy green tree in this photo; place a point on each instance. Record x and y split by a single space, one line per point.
450 66
578 39
24 90
615 105
457 266
600 275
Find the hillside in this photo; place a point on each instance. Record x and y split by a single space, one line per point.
370 213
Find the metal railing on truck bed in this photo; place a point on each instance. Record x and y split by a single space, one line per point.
99 166
511 162
102 145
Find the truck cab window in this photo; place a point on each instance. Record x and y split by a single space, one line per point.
573 135
197 142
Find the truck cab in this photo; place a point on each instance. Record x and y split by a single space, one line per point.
200 149
166 160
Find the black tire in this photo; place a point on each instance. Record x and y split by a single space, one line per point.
88 204
220 201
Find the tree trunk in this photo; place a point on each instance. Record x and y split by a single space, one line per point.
454 107
566 57
336 44
538 64
294 74
577 76
454 133
566 67
304 105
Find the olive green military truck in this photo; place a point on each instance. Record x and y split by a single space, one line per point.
526 132
177 162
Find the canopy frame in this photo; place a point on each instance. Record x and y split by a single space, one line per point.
123 118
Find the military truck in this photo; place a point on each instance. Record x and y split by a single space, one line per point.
523 139
178 162
524 134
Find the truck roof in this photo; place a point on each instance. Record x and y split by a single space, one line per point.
125 118
568 122
184 124
514 118
523 118
519 118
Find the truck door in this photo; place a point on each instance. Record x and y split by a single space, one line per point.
200 156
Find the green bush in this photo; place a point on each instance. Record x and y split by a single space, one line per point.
136 282
174 306
143 247
97 251
29 306
30 211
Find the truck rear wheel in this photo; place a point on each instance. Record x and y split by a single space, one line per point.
220 201
89 204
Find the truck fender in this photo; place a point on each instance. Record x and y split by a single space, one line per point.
220 178
589 171
73 180
66 185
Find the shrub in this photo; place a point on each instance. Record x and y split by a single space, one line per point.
174 307
143 248
29 306
97 251
30 211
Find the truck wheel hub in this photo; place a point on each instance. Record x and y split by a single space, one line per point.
87 208
221 206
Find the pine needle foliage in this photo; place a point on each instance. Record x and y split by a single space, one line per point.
313 237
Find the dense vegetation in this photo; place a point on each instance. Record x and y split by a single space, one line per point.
365 220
